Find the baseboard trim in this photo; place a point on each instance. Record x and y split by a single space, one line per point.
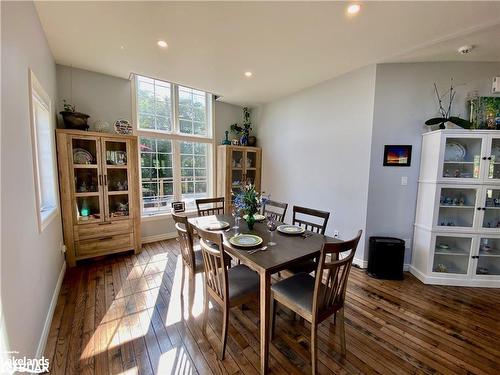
159 237
360 262
50 314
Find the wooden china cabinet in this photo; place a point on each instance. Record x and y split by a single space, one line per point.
99 188
236 166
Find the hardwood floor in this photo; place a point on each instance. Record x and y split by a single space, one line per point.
125 315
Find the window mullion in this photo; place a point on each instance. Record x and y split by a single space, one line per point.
174 94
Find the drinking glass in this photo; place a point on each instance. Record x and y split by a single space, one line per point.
271 227
235 211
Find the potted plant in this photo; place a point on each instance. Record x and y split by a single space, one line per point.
446 114
248 201
73 119
244 131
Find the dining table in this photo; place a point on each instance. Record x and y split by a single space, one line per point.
288 250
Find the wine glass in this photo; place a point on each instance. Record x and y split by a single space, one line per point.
271 227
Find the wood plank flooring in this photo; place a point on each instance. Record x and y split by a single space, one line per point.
125 315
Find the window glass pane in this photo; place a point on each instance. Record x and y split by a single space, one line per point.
192 111
157 175
154 104
194 180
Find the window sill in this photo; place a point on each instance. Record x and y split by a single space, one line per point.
166 216
46 217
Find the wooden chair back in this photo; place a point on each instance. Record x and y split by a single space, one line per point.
308 225
276 210
185 238
331 277
215 206
215 268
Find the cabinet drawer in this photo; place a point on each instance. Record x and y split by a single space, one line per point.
104 245
85 231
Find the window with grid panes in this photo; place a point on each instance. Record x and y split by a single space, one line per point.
174 124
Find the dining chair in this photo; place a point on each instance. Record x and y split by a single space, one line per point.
317 298
215 206
192 258
314 221
276 210
227 287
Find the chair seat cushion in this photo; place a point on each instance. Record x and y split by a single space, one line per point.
298 288
242 281
306 266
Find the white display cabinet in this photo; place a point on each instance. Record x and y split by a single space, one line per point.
457 223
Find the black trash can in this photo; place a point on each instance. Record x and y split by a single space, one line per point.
385 258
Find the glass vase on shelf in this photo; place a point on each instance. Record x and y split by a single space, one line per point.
248 201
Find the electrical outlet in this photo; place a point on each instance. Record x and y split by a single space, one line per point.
62 247
335 234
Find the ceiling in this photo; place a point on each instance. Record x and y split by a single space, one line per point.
287 46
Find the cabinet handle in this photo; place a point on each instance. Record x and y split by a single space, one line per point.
475 257
489 157
484 158
105 179
100 179
479 208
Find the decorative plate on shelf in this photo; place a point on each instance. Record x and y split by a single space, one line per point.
291 229
217 225
82 156
123 127
454 151
257 217
245 240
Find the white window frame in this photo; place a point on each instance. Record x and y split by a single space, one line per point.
175 136
44 217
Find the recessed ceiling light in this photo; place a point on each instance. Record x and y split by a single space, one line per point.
248 74
162 44
122 47
353 9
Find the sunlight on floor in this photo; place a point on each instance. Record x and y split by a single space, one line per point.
144 296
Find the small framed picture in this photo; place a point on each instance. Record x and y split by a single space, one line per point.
397 155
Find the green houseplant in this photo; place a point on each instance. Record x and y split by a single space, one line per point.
244 131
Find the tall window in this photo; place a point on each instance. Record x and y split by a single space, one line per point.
174 124
42 134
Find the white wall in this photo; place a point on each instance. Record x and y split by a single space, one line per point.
316 149
108 98
31 262
404 99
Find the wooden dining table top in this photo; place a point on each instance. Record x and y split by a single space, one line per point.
289 249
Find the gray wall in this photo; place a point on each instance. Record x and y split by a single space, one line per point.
31 262
404 99
108 98
101 96
316 149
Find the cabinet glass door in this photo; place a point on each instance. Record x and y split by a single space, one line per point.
452 254
462 158
87 180
488 262
237 170
250 167
457 207
116 178
494 160
491 208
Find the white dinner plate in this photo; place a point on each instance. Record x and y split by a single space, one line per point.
217 225
291 229
245 240
257 217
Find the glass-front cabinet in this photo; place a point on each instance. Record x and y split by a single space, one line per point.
237 166
452 254
488 258
101 176
457 207
473 158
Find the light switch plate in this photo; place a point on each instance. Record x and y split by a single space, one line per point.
404 180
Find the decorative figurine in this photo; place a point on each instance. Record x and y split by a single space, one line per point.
226 141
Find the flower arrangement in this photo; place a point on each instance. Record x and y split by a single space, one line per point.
248 201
